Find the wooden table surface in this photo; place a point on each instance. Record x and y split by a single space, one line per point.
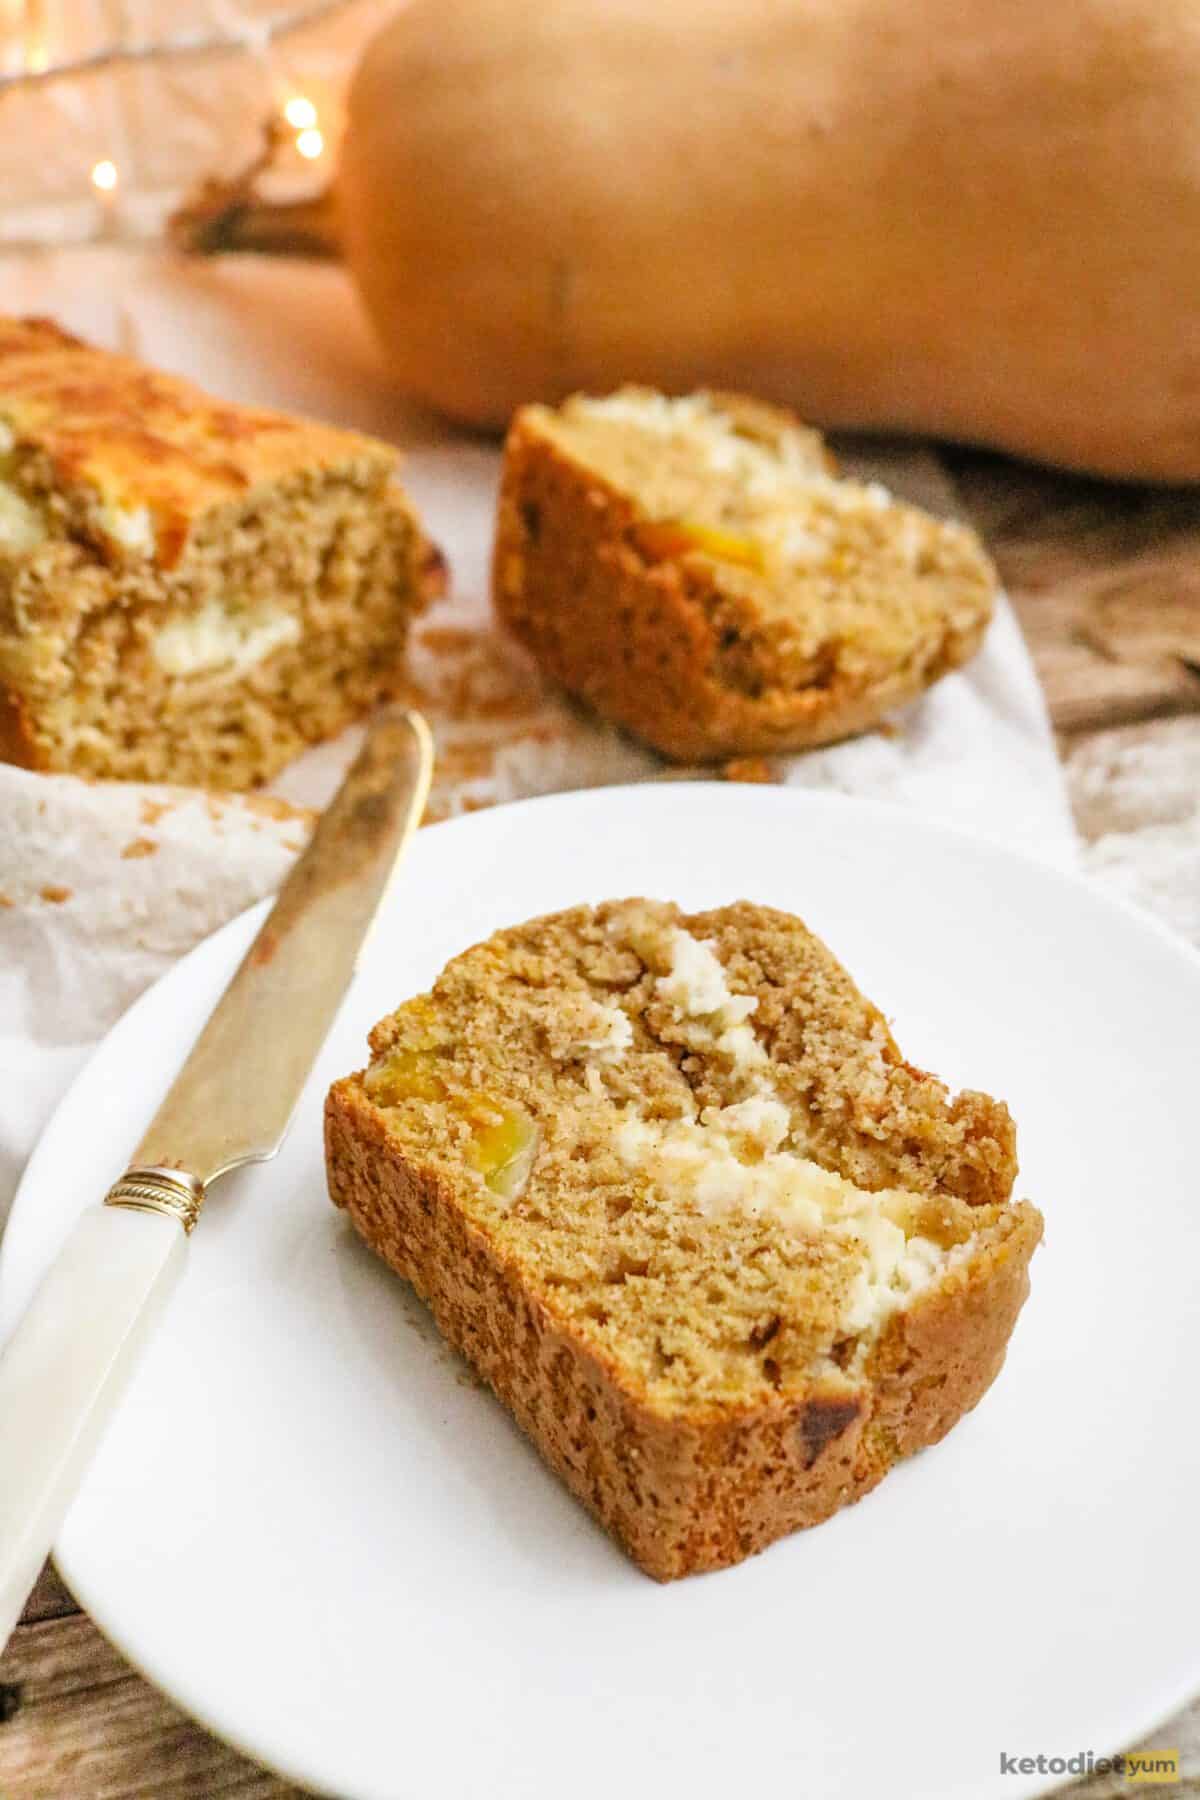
1107 584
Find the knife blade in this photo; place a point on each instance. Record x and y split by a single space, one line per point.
72 1354
233 1099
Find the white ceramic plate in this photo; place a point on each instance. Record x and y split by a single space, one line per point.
312 1529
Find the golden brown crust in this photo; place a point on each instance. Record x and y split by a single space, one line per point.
935 1360
696 1492
134 436
659 642
18 742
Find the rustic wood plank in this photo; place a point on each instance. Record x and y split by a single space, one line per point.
1084 692
1181 1734
89 1728
1105 580
50 1599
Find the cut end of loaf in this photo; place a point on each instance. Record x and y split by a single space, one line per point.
285 620
190 590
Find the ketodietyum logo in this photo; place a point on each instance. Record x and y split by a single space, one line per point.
1149 1767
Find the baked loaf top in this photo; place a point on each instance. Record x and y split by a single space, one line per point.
697 1144
695 569
131 458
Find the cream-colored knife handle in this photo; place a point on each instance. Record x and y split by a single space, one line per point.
63 1372
70 1358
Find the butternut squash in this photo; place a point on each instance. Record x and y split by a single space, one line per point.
956 217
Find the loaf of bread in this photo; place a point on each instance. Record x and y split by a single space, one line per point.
694 570
190 591
668 1183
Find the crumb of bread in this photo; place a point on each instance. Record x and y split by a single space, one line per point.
694 569
678 1161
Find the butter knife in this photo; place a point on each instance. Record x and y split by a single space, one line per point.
72 1354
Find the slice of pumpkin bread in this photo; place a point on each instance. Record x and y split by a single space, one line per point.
190 590
694 570
670 1186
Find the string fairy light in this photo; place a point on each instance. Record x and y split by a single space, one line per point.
300 113
105 179
251 35
300 130
304 119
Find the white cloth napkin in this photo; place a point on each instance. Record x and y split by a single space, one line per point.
103 885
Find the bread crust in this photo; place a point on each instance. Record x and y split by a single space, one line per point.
112 428
18 743
640 639
687 1491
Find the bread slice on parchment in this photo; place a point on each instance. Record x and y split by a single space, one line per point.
190 590
669 1185
694 570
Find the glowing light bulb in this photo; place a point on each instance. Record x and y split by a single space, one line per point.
300 113
310 143
104 176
